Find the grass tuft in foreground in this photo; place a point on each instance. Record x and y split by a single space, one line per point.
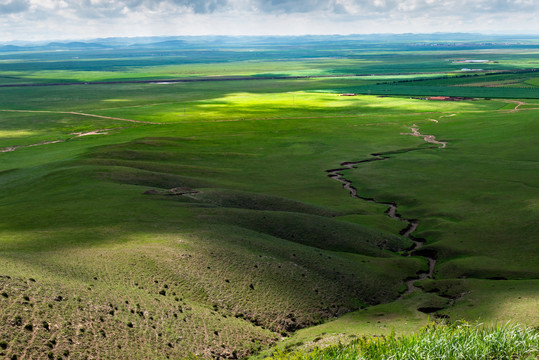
455 341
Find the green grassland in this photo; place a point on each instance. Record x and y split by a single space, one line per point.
197 219
456 341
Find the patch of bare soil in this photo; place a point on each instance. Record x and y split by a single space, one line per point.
428 138
94 132
174 191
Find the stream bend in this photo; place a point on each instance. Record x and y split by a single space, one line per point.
410 224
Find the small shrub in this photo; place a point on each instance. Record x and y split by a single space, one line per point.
29 327
17 320
4 294
3 345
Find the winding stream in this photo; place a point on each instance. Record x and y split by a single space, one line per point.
410 224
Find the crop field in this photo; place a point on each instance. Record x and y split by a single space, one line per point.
214 219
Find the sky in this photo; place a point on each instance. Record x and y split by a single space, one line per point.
36 20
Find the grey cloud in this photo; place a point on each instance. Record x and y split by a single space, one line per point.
107 8
292 6
197 6
13 6
442 7
202 7
340 9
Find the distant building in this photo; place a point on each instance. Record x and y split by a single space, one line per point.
348 94
448 98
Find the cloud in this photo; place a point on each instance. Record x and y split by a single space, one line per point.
89 18
113 8
13 6
122 8
394 7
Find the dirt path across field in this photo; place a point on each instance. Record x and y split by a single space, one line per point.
517 102
15 147
76 135
112 118
84 114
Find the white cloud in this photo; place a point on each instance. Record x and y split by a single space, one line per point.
32 19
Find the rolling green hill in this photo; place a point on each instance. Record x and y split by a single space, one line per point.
148 220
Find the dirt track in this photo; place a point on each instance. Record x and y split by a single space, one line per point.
76 135
111 118
84 114
15 147
518 104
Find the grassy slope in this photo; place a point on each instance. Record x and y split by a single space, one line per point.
260 273
469 187
456 341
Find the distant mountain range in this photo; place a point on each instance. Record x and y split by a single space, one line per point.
178 42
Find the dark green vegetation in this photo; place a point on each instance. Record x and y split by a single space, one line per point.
456 341
163 220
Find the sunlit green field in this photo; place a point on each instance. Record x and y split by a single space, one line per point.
197 219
